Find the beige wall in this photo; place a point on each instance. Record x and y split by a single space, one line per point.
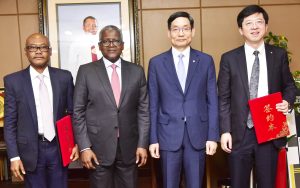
18 19
215 22
216 30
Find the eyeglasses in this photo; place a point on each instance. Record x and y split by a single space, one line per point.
36 48
251 23
178 29
109 42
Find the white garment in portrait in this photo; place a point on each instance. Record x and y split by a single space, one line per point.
80 52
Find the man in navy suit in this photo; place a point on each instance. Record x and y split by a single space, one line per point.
29 127
183 106
236 85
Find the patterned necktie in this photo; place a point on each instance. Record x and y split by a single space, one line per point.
115 84
181 72
253 86
46 110
93 53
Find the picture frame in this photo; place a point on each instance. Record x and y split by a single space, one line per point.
62 22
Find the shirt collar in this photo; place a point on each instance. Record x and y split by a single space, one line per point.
34 74
185 52
107 63
250 50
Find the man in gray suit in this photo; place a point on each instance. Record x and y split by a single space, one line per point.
111 117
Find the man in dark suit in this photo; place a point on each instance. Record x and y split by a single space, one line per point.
111 115
35 98
252 70
183 106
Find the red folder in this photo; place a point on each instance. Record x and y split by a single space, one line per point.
66 138
269 124
281 172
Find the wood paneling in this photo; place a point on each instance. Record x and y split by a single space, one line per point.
158 4
10 46
8 7
218 3
220 32
28 25
28 6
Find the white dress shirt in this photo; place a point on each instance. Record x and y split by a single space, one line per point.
35 86
185 58
109 69
263 88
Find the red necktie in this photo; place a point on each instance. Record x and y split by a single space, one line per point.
93 52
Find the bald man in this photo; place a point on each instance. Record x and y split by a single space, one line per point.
35 98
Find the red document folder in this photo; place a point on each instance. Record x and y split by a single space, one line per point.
66 138
269 124
281 172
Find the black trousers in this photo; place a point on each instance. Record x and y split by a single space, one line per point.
250 154
118 175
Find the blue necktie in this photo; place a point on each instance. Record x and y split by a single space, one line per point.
181 71
253 86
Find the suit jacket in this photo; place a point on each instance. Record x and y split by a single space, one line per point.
169 105
97 117
234 88
20 120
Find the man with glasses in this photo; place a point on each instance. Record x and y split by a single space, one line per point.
249 71
183 106
111 115
35 98
84 48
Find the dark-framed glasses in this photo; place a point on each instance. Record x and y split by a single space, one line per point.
36 48
109 42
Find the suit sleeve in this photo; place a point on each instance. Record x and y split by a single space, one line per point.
289 87
80 104
154 102
224 96
10 119
212 97
143 112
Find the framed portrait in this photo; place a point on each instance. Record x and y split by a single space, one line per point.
73 28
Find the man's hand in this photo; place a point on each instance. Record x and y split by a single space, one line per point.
75 153
283 106
226 142
86 158
154 150
211 147
17 169
141 156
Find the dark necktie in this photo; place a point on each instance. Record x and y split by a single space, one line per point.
253 86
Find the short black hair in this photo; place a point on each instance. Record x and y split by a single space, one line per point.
88 17
112 28
180 14
249 10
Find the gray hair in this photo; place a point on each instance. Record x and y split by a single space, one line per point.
111 28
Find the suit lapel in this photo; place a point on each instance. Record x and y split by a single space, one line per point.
28 91
242 65
170 67
125 75
103 78
270 63
193 63
55 91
